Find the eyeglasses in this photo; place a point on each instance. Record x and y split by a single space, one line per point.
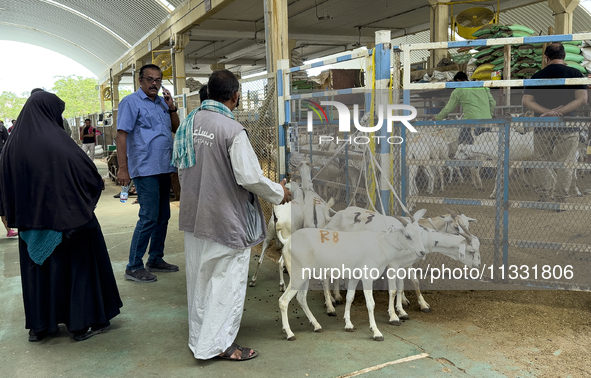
151 80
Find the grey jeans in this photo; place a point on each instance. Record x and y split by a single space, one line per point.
555 147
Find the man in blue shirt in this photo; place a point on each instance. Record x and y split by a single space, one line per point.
145 123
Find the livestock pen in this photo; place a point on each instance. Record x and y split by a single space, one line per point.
544 331
525 243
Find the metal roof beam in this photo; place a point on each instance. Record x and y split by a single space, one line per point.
298 36
193 12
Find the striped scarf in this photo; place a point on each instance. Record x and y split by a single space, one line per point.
183 154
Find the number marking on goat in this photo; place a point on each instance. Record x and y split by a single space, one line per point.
356 219
324 236
370 218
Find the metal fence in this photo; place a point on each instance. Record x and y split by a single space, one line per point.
528 237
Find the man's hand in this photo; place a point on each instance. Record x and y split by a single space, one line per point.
123 176
286 192
168 98
553 113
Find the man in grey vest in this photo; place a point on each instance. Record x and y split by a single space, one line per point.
221 217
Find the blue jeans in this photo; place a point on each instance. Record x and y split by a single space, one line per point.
153 193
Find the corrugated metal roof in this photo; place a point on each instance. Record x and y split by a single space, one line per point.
95 33
539 17
98 32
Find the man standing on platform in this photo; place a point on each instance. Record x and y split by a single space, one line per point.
557 144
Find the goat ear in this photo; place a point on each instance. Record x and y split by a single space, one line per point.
419 214
472 219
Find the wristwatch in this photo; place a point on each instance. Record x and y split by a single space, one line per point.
170 111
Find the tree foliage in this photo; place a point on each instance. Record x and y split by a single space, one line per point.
11 105
123 93
79 93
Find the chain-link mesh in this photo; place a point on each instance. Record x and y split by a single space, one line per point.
257 112
513 177
509 177
337 166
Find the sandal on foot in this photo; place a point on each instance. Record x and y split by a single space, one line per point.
245 353
89 332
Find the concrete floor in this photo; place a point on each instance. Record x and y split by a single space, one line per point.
149 337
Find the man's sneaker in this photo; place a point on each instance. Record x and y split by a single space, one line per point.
163 267
139 275
11 234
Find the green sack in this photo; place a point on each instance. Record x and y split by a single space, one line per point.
521 34
572 49
522 50
521 28
574 58
502 34
485 59
489 29
526 72
482 53
567 48
486 36
574 43
577 66
499 67
525 60
499 52
499 60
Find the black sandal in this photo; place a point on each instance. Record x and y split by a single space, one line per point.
35 336
245 353
91 331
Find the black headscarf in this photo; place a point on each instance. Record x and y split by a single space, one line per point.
46 181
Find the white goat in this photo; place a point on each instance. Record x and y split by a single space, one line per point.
521 148
453 246
486 147
452 223
325 250
426 147
285 219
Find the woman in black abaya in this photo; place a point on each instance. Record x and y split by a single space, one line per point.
48 190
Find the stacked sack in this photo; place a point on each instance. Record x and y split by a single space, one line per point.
490 59
526 59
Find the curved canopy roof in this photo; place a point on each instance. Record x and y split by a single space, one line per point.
93 33
96 33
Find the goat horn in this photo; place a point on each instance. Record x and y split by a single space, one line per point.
402 220
461 224
467 237
459 211
453 213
